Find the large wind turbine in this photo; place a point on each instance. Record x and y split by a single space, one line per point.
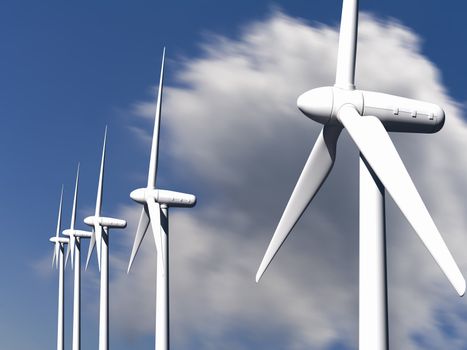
59 249
155 202
75 247
367 116
101 227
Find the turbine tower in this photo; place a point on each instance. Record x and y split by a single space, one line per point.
74 246
367 116
101 228
156 204
59 249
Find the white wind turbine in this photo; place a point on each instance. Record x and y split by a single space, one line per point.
74 246
155 202
59 249
367 116
101 227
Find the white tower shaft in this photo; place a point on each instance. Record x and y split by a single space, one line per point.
61 295
373 326
77 297
104 293
162 286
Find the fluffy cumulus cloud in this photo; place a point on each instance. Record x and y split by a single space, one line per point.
237 136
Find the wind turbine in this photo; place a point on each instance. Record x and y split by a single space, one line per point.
155 202
101 227
59 249
75 247
367 116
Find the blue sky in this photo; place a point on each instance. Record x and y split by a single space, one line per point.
67 71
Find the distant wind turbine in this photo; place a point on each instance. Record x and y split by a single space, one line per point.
75 247
367 116
101 227
59 249
155 211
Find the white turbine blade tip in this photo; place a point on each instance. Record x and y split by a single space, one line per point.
132 257
451 270
87 263
130 264
143 225
259 274
265 263
460 287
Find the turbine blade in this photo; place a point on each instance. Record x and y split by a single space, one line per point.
57 232
98 232
140 232
55 257
155 137
59 220
374 143
155 218
92 243
67 254
101 179
71 248
314 173
75 201
345 72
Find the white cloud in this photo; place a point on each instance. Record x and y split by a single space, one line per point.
235 131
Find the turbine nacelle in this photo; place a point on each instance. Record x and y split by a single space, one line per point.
105 222
63 240
170 198
398 114
76 233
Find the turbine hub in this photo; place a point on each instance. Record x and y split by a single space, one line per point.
317 104
139 195
322 104
89 220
